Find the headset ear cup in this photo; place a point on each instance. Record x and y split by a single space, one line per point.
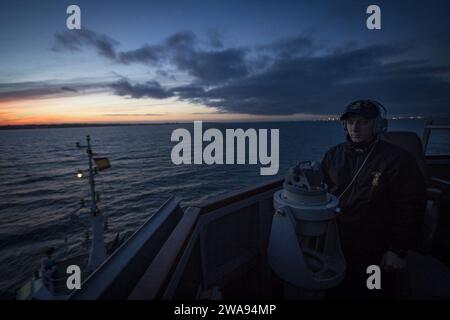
380 125
384 125
376 126
381 122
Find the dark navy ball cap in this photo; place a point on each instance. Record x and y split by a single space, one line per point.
365 108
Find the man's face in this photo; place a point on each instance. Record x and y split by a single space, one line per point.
359 129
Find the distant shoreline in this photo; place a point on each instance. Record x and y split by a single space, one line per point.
85 125
78 125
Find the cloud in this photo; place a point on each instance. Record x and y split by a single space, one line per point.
69 89
182 40
150 89
209 113
44 89
213 67
317 84
166 74
74 40
285 77
146 54
28 92
324 84
182 49
188 91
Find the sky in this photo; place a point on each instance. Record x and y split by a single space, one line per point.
246 60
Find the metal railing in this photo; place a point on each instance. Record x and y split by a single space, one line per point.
58 285
55 285
427 131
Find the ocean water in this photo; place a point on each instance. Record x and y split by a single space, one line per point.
39 190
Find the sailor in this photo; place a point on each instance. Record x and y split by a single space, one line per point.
48 267
381 193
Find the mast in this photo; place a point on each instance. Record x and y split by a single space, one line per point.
94 208
98 249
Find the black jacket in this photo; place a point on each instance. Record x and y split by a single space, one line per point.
384 207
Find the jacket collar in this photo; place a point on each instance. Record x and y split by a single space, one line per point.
359 147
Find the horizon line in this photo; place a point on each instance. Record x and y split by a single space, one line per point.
112 124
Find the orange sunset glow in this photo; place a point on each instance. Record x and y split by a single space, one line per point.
107 108
100 108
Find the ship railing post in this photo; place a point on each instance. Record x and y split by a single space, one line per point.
426 135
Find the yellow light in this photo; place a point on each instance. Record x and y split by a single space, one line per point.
79 174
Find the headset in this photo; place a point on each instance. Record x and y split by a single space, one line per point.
380 125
